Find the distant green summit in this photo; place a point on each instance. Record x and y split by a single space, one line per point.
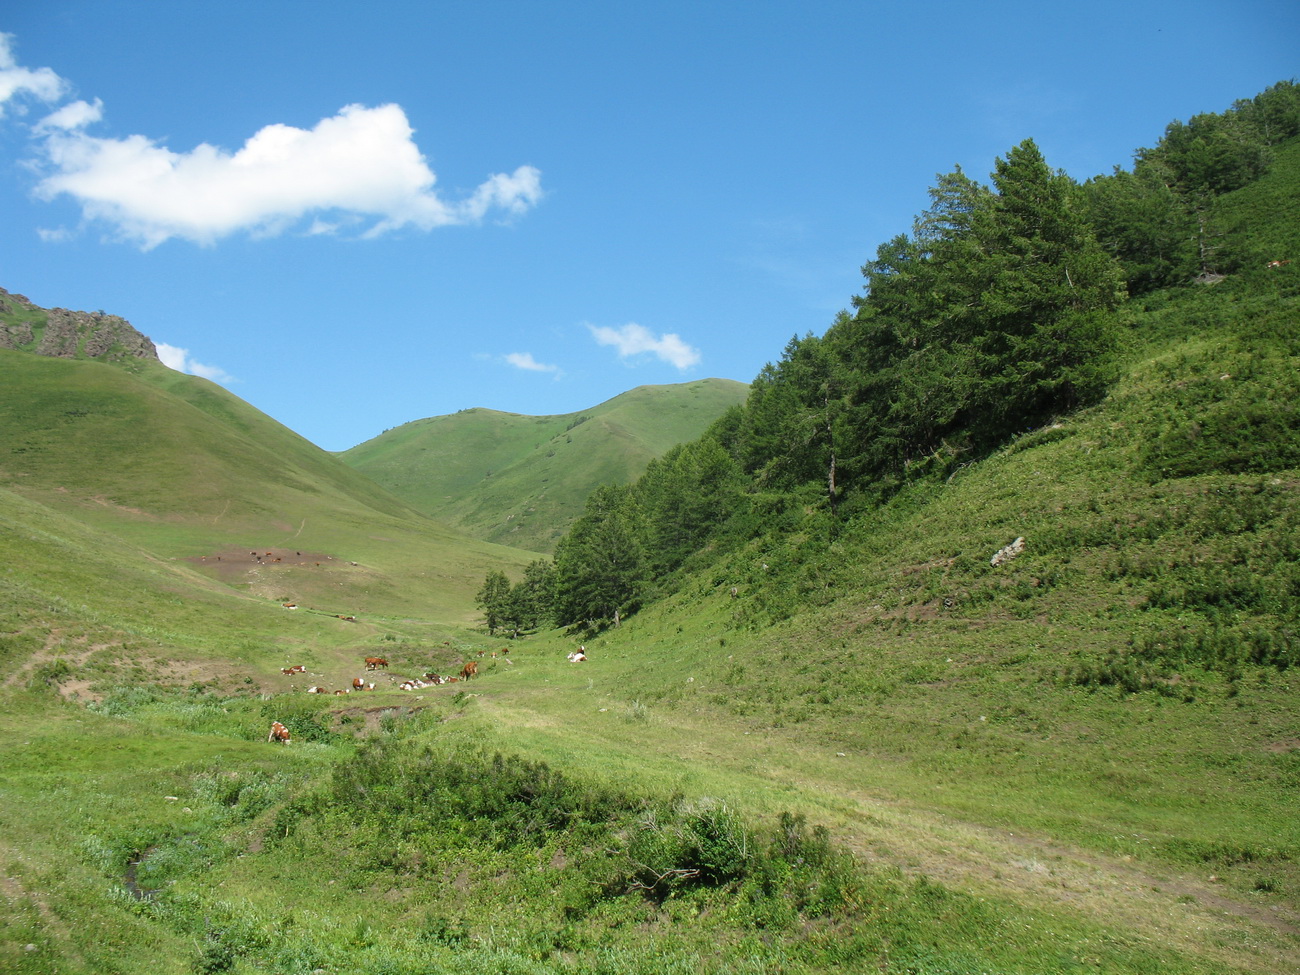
522 480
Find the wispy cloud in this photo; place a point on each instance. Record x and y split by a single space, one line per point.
633 339
16 81
179 359
525 360
358 168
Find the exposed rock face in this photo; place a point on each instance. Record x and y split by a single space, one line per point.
69 334
1005 555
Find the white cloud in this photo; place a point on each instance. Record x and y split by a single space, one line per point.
633 339
54 235
74 115
179 359
43 83
361 162
359 169
525 360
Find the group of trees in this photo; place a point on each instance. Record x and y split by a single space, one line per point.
1001 309
523 606
1160 219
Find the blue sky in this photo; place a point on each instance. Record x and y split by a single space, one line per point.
356 215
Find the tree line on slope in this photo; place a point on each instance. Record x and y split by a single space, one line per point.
1002 309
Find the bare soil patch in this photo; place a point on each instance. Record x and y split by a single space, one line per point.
233 564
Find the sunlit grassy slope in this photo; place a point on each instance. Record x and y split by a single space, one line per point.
181 468
522 480
1084 760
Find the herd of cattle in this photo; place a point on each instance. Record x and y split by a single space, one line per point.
279 733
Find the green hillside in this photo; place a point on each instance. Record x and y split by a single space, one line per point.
522 480
176 465
832 732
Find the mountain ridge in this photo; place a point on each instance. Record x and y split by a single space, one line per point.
522 480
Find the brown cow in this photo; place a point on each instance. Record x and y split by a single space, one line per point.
357 683
373 663
469 670
278 733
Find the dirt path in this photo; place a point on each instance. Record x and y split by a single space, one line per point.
1151 903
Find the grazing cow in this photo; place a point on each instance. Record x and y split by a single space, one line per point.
357 683
278 733
373 663
469 670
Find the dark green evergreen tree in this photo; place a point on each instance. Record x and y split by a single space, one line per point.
1041 299
531 600
684 495
494 600
996 313
600 565
1143 223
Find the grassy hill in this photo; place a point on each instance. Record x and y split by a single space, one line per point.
522 480
177 466
873 752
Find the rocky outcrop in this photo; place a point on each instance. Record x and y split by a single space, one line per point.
1005 555
69 334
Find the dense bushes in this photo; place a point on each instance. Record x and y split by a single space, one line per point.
396 795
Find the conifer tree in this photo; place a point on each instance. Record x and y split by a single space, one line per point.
494 600
600 565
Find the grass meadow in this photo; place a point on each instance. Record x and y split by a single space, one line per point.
850 748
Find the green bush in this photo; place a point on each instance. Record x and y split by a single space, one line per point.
49 673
